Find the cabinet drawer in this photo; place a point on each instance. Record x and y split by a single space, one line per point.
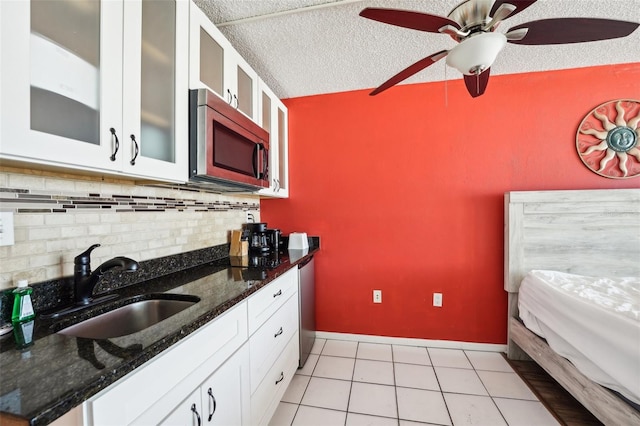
266 398
268 342
164 380
267 300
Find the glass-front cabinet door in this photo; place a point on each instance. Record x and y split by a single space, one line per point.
217 66
274 119
155 88
61 81
96 85
243 84
207 55
283 149
211 68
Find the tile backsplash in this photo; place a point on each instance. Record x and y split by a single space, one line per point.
57 216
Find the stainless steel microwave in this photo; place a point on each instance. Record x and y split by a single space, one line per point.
227 150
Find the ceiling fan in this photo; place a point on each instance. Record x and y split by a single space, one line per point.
473 23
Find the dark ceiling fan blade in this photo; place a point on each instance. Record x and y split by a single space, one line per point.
476 84
409 71
571 30
519 4
408 19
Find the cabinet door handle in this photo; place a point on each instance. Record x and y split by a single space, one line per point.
279 293
277 185
237 102
230 97
278 333
135 155
213 400
117 145
195 411
281 377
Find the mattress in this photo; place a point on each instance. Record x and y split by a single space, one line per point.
594 322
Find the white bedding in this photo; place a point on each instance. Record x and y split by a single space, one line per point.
593 322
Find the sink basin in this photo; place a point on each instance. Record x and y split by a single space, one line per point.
131 318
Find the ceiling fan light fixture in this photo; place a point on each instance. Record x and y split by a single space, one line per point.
476 53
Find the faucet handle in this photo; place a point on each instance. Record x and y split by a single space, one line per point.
84 258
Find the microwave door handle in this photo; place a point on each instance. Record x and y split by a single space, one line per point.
255 161
265 162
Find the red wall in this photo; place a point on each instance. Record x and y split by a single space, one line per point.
406 189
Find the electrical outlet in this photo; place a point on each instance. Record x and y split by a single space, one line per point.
437 300
377 296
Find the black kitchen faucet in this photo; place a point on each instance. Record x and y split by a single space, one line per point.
85 280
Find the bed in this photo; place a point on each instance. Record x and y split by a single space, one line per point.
588 233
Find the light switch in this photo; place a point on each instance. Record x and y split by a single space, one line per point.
6 229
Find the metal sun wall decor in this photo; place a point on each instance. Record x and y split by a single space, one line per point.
607 139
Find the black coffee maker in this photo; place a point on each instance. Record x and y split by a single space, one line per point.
274 238
258 237
262 240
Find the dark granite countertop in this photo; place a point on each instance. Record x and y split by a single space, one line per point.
56 373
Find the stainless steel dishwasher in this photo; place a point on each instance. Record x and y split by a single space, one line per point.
307 299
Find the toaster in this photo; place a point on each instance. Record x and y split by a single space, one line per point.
298 241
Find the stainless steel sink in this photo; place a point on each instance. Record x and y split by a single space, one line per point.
131 318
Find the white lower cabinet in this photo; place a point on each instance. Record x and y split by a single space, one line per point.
270 340
274 345
189 412
231 372
263 304
265 399
222 399
152 392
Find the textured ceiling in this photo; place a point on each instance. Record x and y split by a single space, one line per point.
323 46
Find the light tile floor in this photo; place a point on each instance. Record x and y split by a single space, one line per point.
354 383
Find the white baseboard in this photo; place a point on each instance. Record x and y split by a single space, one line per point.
407 341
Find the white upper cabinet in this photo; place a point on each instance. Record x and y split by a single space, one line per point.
96 85
243 83
273 117
155 88
217 66
61 81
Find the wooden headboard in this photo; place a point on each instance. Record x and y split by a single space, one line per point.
587 232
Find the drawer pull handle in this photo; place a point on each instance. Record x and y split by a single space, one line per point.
213 399
279 293
195 411
281 378
278 333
